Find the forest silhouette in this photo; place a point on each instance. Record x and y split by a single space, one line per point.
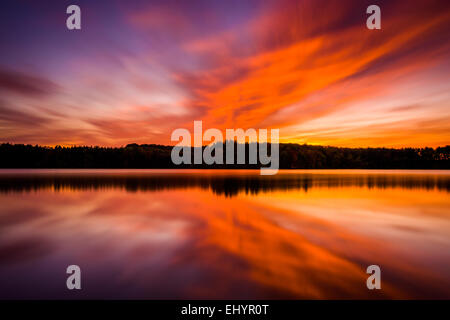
151 156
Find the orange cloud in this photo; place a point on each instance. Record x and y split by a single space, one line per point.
339 66
309 68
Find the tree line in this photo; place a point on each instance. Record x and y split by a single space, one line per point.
292 156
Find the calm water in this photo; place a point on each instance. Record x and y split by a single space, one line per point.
224 234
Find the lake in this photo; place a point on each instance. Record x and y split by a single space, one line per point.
207 234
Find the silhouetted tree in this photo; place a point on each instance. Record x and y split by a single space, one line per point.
292 156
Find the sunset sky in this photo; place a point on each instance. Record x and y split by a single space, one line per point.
137 70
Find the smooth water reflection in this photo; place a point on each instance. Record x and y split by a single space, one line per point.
224 234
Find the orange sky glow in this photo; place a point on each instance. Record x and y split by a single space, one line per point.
137 70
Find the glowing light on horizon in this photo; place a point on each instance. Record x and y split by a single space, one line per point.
139 71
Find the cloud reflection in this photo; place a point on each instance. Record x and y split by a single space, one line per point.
187 241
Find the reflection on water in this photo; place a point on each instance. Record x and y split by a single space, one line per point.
219 181
224 234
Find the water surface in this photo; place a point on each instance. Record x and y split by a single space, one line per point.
224 233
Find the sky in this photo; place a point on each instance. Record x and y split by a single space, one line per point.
137 70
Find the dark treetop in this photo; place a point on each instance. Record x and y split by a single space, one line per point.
292 156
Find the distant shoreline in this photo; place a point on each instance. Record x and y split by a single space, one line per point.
151 156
